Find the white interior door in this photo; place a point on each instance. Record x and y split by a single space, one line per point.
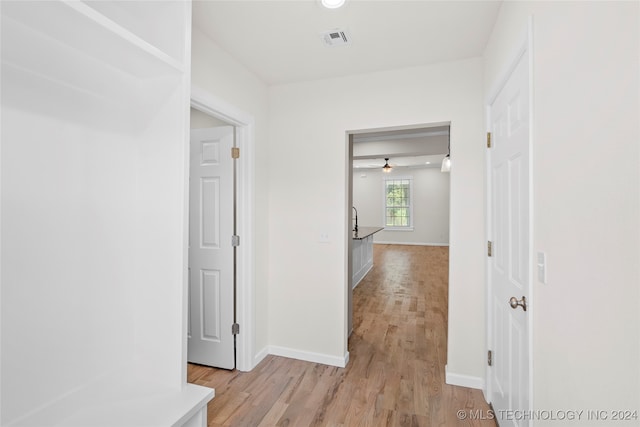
509 264
211 260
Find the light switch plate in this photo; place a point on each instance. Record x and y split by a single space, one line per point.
542 267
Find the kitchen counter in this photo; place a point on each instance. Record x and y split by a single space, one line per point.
362 253
364 232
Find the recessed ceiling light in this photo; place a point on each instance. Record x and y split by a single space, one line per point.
332 4
427 163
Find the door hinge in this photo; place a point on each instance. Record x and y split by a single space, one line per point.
488 139
490 358
235 153
235 329
489 248
235 240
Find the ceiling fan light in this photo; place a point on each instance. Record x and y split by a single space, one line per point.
386 168
332 4
446 164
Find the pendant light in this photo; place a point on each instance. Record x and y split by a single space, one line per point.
446 162
386 168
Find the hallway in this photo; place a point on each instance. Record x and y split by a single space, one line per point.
395 375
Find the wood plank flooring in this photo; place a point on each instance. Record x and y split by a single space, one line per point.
395 375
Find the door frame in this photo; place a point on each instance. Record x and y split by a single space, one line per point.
244 123
349 135
524 47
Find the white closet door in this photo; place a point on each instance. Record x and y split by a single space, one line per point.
210 339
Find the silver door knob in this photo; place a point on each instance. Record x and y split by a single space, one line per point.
514 303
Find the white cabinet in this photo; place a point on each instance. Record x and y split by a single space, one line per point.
362 256
95 104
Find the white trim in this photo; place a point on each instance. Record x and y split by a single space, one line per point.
259 357
209 104
410 243
206 102
525 47
487 271
403 127
362 277
462 380
185 88
531 210
309 356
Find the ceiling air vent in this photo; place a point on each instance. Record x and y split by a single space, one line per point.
336 38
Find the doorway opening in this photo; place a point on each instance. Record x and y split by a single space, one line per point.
415 154
208 109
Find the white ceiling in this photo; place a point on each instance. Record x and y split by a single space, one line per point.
280 41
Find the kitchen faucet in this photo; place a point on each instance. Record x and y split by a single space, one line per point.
356 227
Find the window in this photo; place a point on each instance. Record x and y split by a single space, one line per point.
398 210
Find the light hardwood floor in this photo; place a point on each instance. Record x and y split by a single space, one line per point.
395 375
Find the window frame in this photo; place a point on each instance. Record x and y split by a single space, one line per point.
385 179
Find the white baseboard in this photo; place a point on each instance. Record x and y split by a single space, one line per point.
485 394
260 356
411 243
452 378
309 356
362 277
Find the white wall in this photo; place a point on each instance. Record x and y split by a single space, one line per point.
91 283
587 214
221 75
67 276
308 279
430 205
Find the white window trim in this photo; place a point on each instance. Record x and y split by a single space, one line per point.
386 178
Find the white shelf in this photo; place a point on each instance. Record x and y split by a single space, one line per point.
122 399
67 60
84 29
138 43
156 26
